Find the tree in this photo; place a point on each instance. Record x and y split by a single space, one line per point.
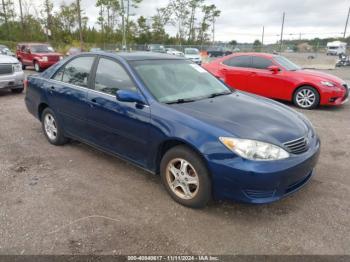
233 42
159 21
180 9
257 45
194 5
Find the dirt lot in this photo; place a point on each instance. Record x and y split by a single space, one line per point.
77 200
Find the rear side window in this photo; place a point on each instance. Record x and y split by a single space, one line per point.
261 62
76 72
239 61
111 77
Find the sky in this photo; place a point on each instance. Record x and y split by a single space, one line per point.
243 20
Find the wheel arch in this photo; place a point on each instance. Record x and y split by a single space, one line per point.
171 143
306 85
41 108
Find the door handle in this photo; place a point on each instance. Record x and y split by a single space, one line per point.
52 87
93 101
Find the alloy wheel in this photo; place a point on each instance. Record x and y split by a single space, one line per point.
182 178
50 126
305 98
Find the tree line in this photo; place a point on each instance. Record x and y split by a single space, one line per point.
117 22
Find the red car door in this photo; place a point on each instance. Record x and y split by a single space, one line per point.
267 82
236 71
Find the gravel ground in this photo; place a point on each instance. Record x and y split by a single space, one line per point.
77 200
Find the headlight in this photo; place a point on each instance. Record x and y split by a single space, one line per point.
44 58
327 83
254 150
17 67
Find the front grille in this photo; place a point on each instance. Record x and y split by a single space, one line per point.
294 186
297 146
346 92
6 69
256 194
53 58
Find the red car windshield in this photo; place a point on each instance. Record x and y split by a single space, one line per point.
41 49
286 63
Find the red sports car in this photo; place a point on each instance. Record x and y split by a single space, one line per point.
276 77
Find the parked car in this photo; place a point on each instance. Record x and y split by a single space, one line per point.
74 51
193 55
276 77
39 55
95 49
218 51
173 118
156 48
173 51
4 50
11 74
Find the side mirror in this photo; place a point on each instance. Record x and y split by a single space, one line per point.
129 96
274 69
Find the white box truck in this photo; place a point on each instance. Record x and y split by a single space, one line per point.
336 48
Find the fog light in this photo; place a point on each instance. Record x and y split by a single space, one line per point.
332 100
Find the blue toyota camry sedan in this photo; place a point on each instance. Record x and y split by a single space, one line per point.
173 118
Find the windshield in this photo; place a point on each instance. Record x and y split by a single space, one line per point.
41 49
191 52
287 64
178 81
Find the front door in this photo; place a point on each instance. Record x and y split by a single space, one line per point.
119 127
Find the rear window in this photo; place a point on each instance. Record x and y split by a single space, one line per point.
239 61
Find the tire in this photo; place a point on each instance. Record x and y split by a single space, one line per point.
17 90
52 128
191 183
306 97
37 67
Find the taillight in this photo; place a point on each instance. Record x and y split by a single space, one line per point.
25 83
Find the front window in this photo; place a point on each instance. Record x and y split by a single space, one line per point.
286 63
178 81
191 52
41 49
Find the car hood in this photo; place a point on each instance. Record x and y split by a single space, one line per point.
248 116
321 75
5 59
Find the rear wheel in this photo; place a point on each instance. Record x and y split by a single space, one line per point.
186 177
52 129
306 97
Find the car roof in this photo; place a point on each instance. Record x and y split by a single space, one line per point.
32 43
137 56
266 55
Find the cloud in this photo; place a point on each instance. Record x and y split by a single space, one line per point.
243 20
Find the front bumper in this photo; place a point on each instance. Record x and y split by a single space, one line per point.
12 81
45 65
331 97
260 182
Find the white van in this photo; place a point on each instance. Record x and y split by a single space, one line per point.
336 48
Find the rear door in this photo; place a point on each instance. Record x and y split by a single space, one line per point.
236 71
67 94
119 127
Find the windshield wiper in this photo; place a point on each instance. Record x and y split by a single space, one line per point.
180 101
219 94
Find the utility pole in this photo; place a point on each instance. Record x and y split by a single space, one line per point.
22 21
123 25
79 23
346 24
281 43
262 36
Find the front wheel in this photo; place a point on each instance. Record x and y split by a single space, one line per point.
186 177
306 97
37 67
52 129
